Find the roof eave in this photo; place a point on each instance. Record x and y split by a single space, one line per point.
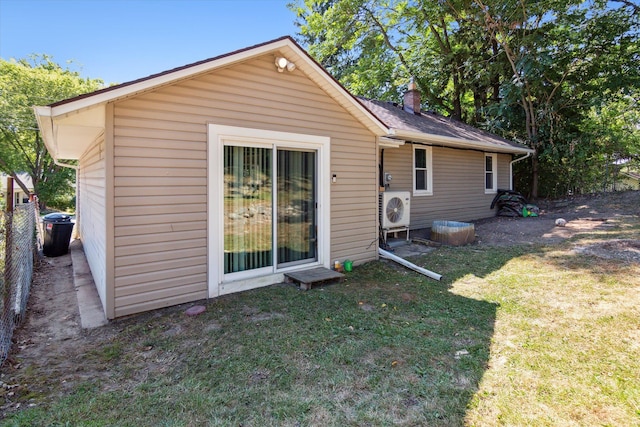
68 136
45 124
52 117
152 82
456 142
386 142
127 90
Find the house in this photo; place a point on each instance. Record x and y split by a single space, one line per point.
629 180
452 170
19 196
628 176
222 175
624 176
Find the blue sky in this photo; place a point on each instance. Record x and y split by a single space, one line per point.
122 40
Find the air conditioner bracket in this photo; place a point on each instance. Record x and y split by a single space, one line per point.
386 231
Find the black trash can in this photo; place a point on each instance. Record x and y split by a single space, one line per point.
57 234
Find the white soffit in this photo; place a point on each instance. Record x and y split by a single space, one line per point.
77 139
68 136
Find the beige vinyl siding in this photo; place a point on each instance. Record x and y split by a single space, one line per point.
458 184
91 213
160 174
160 234
503 171
354 206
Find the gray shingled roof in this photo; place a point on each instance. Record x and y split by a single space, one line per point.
395 117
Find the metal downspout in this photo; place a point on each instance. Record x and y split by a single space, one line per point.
76 233
511 169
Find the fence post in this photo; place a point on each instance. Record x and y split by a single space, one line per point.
8 250
39 237
10 195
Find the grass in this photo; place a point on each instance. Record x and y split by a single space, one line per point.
531 335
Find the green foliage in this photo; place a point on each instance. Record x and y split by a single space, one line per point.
58 188
542 73
23 84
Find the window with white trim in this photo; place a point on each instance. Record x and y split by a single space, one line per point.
422 171
490 173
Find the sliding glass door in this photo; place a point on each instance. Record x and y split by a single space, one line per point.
260 184
296 192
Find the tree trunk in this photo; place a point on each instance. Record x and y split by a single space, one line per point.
534 175
14 176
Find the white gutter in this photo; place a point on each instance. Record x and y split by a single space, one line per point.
456 142
511 169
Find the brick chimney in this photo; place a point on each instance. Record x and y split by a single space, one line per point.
412 99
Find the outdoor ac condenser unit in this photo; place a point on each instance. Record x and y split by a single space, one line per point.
394 209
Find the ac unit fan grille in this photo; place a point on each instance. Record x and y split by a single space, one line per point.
394 209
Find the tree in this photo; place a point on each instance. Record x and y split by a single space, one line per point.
535 72
25 83
564 59
376 47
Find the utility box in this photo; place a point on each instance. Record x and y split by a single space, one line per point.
57 234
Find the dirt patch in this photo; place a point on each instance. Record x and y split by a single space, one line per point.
52 343
585 214
625 249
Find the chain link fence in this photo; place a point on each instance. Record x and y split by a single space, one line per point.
18 240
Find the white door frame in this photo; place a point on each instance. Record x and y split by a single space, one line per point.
218 136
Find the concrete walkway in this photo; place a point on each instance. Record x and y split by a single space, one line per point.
89 305
404 248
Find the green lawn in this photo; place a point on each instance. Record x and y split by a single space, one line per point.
519 336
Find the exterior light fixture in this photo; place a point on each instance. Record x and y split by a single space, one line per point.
282 63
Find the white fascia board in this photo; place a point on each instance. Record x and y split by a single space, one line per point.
456 142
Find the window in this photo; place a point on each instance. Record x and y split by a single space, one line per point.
422 171
490 173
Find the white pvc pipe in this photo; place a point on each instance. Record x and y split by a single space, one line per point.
402 261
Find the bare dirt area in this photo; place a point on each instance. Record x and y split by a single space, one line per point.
584 214
49 341
51 352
